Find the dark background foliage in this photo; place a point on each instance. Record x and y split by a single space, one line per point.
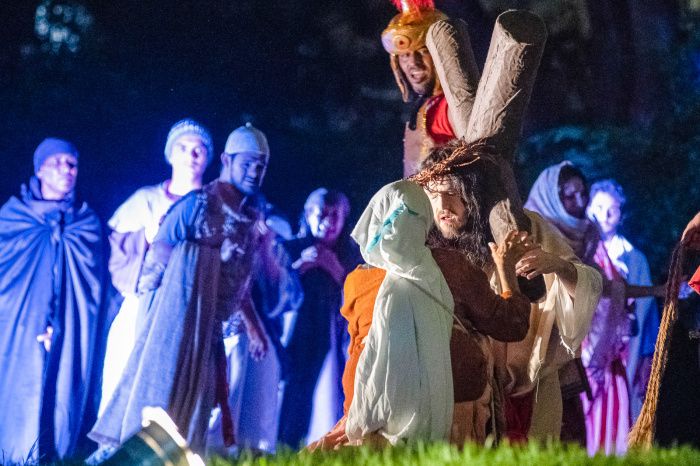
617 92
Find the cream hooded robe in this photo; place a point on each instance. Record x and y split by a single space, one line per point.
403 382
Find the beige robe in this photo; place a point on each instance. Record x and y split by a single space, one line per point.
558 325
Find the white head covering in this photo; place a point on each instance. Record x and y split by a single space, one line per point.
544 199
403 382
247 138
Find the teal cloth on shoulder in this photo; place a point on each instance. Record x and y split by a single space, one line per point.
388 223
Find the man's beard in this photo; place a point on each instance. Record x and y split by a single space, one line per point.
470 242
450 231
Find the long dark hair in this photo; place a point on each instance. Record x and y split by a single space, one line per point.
472 183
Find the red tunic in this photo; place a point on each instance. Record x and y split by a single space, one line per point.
695 281
437 123
432 128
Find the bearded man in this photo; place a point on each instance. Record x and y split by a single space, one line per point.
387 230
435 69
196 277
461 200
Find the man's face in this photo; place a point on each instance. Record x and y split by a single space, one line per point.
58 175
246 170
605 209
326 222
449 210
574 197
189 156
419 70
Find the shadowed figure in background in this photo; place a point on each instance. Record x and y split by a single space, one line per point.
323 254
606 209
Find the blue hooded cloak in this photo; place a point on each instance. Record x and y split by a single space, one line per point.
50 276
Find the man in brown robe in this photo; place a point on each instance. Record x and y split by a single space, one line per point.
454 177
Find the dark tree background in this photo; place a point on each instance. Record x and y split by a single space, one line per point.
617 91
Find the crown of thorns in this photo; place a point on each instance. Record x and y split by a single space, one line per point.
463 155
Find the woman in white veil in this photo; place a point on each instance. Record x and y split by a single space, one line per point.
403 384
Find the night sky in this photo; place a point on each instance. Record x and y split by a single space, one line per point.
145 65
312 75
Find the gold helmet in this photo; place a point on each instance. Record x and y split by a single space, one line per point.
406 33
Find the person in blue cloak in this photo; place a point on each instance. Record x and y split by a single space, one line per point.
51 323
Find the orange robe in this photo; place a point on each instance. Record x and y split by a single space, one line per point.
360 292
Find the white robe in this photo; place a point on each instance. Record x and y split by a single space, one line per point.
143 210
403 384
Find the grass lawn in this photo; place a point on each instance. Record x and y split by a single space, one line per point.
441 454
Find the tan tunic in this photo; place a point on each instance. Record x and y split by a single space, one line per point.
558 325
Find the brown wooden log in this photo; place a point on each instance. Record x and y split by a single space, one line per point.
511 66
451 50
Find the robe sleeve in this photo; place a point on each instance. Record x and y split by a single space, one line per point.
572 316
503 318
128 242
176 227
127 253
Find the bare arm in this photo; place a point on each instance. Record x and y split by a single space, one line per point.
257 345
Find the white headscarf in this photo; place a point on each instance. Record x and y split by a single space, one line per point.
403 382
580 233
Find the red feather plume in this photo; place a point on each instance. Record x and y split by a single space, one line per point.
414 4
